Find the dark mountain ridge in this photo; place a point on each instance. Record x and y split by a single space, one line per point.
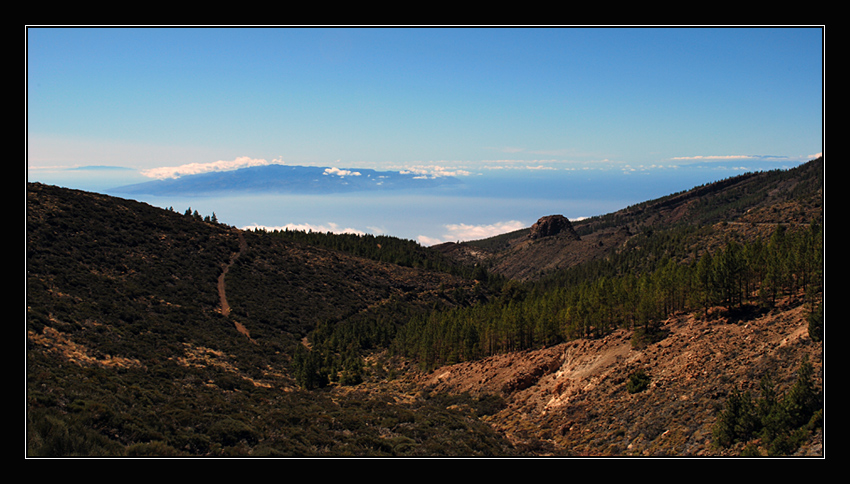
151 332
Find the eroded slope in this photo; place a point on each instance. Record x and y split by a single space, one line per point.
572 399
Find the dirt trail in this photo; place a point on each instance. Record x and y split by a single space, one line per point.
225 308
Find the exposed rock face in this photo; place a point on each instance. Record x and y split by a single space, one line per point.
552 225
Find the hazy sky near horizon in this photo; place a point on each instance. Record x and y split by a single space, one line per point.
557 120
452 99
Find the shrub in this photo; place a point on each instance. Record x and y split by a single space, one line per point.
638 381
152 449
229 432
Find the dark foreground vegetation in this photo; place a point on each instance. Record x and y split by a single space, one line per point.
129 352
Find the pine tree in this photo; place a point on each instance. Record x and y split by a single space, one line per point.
705 281
737 421
801 401
815 319
728 270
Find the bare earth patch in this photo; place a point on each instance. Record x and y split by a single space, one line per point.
58 342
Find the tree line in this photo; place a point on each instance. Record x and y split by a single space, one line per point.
383 248
756 272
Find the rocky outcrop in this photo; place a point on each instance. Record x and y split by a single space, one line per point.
531 373
552 225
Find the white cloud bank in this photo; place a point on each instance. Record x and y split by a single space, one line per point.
463 232
747 157
338 172
433 171
161 173
715 157
198 168
723 161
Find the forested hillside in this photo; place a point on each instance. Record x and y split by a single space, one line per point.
154 332
750 205
739 243
633 289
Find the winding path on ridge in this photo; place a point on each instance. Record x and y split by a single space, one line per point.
225 308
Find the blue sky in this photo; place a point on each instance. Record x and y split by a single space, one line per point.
398 97
520 104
